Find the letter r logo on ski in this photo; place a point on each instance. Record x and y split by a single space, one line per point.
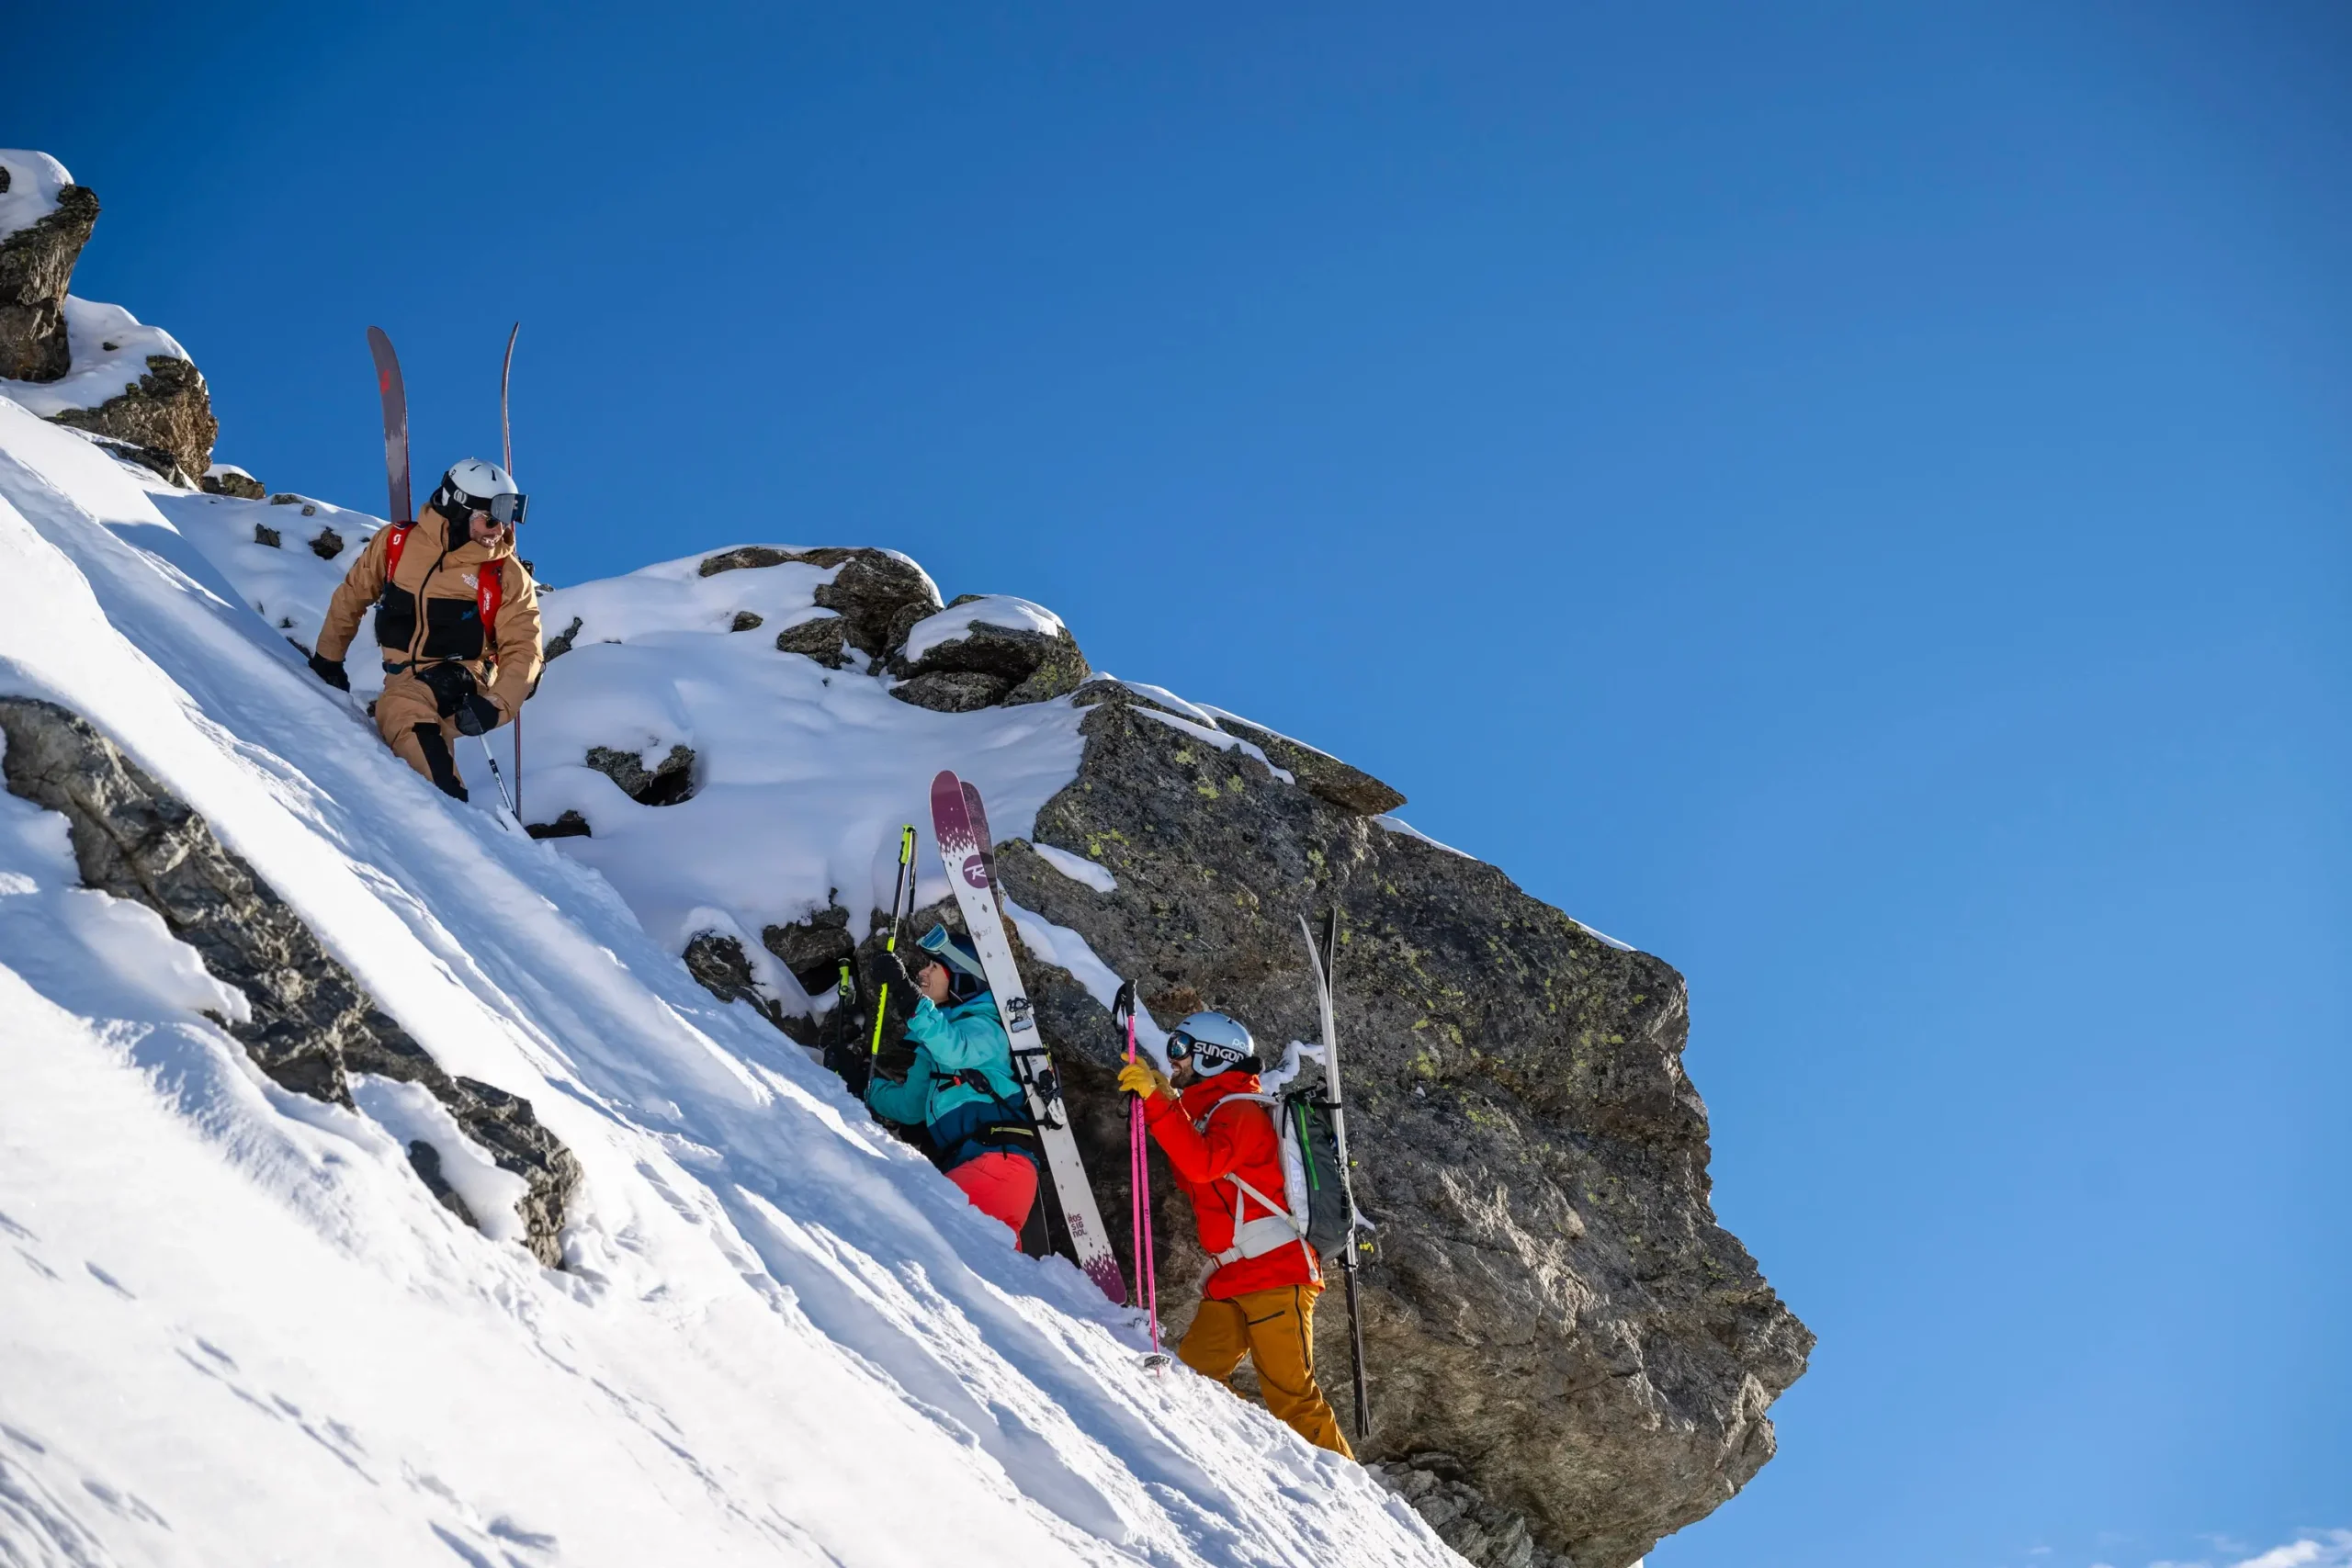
976 871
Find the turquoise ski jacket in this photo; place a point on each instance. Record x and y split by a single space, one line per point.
964 1038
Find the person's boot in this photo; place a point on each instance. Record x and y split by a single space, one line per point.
437 757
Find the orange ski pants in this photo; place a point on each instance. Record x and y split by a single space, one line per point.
1276 1330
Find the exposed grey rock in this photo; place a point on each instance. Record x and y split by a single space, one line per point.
311 1024
1555 1303
719 963
35 267
1026 666
824 639
1344 786
166 408
746 621
159 463
427 1161
747 557
560 644
813 948
953 691
667 782
328 545
287 498
243 486
266 535
1484 1535
868 592
568 824
1349 788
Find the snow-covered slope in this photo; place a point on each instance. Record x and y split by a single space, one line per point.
235 1327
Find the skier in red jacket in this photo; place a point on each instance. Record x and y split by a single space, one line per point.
1228 1156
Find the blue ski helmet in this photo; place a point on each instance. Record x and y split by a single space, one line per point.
966 978
1213 1043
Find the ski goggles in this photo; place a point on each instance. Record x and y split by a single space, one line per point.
1182 1047
506 510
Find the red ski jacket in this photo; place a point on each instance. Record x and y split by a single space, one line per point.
1237 1141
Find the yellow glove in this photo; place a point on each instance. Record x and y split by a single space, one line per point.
1140 1077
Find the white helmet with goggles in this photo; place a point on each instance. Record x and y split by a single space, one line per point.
1212 1042
475 486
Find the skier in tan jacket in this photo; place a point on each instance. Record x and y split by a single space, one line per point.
436 585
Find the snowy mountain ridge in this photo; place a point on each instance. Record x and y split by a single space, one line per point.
241 1329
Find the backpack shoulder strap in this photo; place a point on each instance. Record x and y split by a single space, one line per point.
1268 1101
393 546
490 591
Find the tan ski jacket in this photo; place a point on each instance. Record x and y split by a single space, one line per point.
431 610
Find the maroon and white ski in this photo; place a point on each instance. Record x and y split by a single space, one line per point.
394 393
960 829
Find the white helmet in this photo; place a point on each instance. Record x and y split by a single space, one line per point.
1215 1042
475 486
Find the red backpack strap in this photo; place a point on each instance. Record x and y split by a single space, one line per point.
490 591
393 548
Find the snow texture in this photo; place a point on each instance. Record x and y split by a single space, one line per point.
1078 868
990 609
239 1329
803 775
34 180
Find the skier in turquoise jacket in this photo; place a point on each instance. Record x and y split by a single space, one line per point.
960 1085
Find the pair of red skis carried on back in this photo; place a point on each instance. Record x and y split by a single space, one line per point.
393 391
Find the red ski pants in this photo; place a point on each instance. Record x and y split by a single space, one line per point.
1000 1185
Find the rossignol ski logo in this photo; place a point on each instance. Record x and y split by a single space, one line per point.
976 871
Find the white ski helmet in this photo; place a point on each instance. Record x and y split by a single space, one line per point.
475 486
1214 1043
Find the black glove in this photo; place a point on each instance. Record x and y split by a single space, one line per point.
886 968
451 685
476 715
331 671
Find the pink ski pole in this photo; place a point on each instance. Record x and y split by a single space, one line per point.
1140 1181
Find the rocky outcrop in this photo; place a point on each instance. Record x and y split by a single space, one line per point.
812 949
560 644
985 665
1555 1305
166 409
1483 1535
719 965
870 591
36 267
311 1025
668 783
224 480
824 639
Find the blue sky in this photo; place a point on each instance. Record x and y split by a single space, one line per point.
1851 499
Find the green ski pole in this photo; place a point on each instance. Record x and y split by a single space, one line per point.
901 893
